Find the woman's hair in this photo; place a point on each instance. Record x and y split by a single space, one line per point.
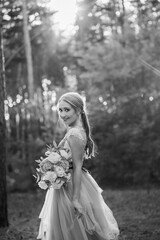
76 101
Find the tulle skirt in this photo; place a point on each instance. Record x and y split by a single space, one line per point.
58 220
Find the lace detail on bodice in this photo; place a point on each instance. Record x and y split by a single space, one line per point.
79 133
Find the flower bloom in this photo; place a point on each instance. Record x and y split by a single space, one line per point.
65 164
46 165
50 176
64 154
43 185
60 171
54 157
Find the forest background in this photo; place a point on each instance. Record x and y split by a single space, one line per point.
111 56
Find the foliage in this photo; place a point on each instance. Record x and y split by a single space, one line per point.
114 57
128 142
42 37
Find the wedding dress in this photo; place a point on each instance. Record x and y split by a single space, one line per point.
58 220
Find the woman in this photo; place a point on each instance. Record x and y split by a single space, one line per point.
77 211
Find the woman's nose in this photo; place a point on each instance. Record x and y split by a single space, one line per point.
62 114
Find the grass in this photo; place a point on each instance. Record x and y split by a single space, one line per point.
137 213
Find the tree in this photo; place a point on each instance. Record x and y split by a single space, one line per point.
44 44
28 51
3 194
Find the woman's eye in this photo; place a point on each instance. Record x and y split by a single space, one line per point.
65 110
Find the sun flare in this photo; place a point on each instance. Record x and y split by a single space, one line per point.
66 13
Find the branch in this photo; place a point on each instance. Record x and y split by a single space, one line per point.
150 67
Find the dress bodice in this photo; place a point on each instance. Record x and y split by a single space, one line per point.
77 132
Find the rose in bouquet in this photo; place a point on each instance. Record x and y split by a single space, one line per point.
53 170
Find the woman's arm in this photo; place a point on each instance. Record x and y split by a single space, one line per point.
77 149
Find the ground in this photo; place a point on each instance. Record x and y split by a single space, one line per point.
137 213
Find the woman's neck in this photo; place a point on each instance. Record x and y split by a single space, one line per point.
77 124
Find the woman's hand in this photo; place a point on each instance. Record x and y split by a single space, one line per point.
77 208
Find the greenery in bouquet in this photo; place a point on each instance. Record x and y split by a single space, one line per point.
53 170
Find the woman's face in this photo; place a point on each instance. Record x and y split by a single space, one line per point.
67 113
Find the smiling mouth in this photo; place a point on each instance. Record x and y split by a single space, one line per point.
65 119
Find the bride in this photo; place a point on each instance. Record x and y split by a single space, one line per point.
77 210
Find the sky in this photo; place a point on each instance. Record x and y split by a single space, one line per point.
66 14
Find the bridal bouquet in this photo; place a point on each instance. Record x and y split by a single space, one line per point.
53 170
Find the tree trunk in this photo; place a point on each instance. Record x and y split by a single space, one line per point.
3 193
28 51
123 23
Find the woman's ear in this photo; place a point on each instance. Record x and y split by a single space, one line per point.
78 112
